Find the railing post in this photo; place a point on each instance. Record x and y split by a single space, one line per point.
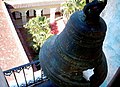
3 82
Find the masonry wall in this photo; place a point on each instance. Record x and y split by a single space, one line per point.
111 46
12 53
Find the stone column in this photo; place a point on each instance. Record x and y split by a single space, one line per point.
38 12
2 79
52 14
31 13
46 11
24 17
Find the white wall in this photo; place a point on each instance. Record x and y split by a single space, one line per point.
111 47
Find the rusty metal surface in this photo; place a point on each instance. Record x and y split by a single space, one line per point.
77 48
64 57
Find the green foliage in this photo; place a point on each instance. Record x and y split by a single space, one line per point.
71 6
39 30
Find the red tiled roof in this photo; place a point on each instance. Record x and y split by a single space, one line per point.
32 3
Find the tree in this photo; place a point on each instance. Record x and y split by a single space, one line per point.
39 30
69 7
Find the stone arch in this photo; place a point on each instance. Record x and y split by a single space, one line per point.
16 15
31 13
38 12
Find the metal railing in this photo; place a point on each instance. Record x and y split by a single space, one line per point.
27 80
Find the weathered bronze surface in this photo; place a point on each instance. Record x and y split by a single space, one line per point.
64 57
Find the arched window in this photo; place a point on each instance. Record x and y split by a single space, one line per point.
17 15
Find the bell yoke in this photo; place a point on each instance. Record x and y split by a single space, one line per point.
77 48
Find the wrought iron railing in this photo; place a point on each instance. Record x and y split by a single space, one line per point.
28 75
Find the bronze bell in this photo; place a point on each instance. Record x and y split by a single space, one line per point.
64 57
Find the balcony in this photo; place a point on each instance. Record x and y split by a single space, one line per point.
25 75
111 48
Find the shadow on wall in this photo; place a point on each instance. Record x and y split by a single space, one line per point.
111 46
